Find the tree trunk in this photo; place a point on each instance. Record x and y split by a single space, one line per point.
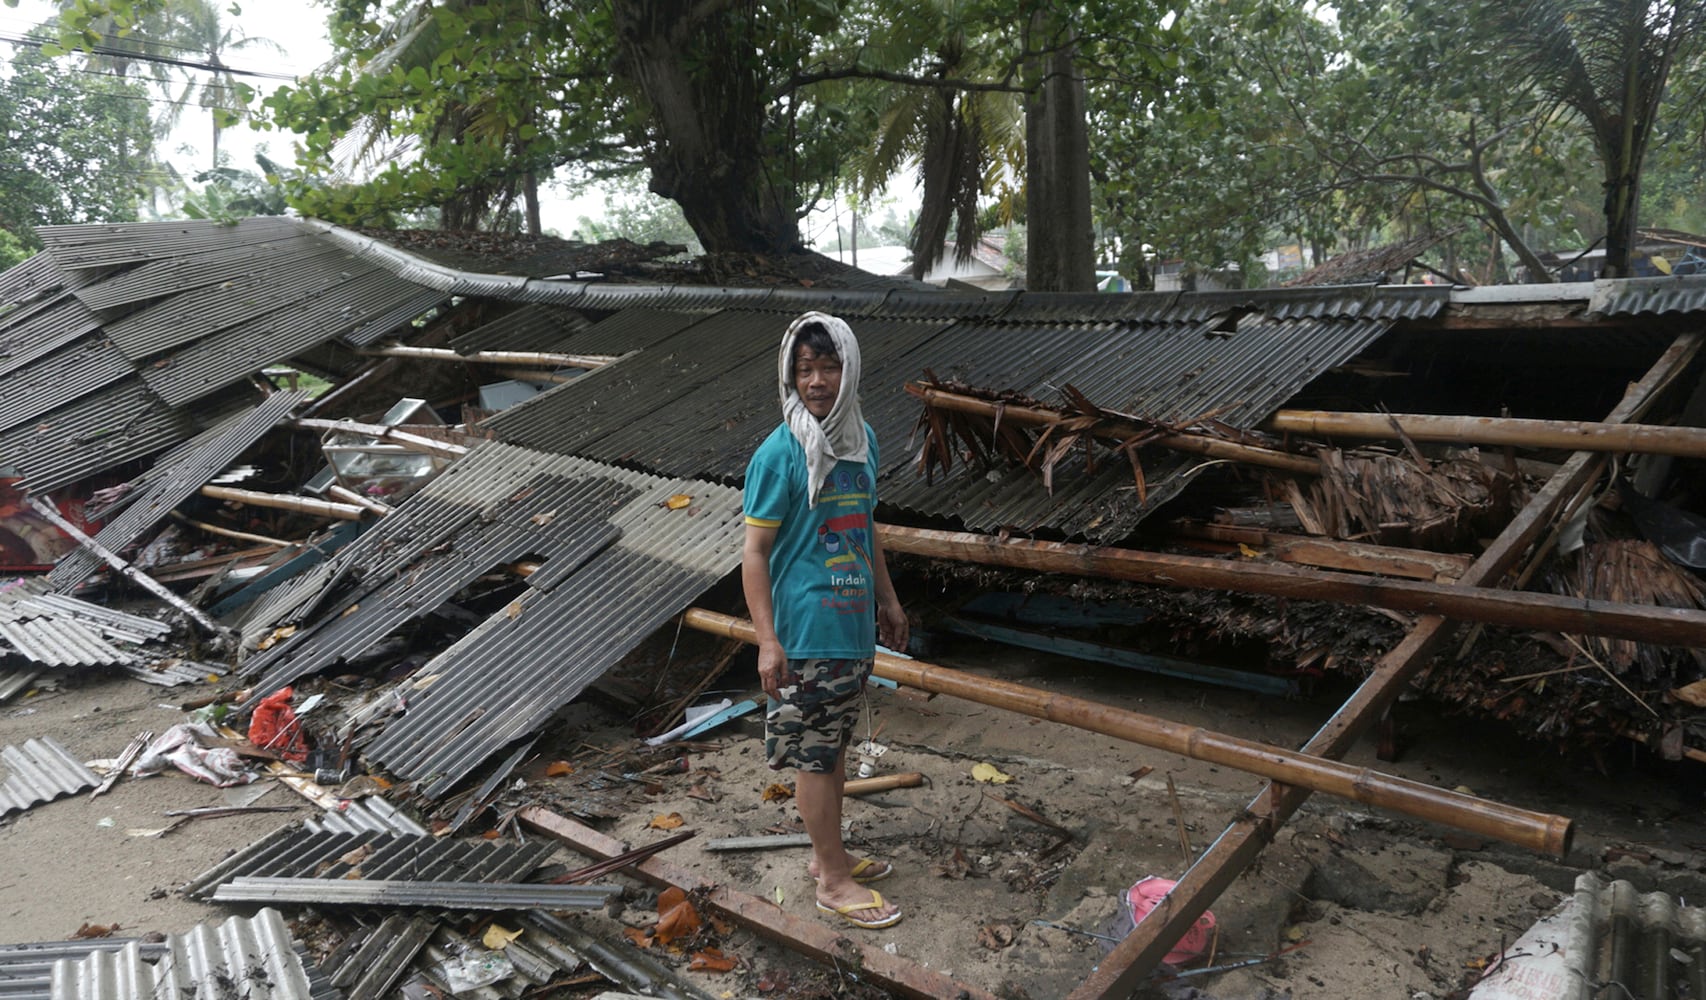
697 71
1060 242
530 194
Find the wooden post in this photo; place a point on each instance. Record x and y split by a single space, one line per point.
129 572
1536 831
815 939
1114 428
1497 432
1664 626
1134 958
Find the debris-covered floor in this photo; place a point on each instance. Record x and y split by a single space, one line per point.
1361 903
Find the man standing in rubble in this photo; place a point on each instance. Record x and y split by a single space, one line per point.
820 595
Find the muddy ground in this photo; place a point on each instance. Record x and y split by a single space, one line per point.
1370 904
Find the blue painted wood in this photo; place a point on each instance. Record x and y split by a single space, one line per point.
343 533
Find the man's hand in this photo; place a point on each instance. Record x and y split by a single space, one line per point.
893 630
772 668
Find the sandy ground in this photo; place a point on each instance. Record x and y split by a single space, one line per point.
1377 905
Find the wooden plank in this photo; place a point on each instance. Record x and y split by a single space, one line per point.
1567 435
813 938
1134 958
1331 553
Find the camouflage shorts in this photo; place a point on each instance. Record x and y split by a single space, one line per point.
808 728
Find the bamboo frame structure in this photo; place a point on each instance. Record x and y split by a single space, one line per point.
1498 432
1135 957
1114 428
540 359
1537 831
280 501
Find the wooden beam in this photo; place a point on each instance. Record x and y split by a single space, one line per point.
1330 553
1134 958
281 501
1115 427
815 939
383 432
1533 830
351 496
1520 609
540 359
1497 432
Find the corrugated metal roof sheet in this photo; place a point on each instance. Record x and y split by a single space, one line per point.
1091 307
907 304
407 306
849 302
102 430
251 958
175 274
14 681
505 678
532 327
297 852
1387 302
26 970
367 814
56 642
108 244
35 332
168 490
40 771
60 378
28 282
630 330
439 895
1649 296
383 957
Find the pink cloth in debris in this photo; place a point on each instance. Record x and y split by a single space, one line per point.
182 747
1146 895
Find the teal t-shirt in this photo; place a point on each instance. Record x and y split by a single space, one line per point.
820 566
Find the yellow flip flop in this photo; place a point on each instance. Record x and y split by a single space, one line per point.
875 903
864 874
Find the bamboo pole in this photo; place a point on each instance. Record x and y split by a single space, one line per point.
351 496
541 359
1662 626
128 571
1135 957
395 435
1115 428
1566 435
242 536
280 501
883 783
1331 553
1536 831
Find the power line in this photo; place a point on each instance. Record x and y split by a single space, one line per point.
107 50
42 33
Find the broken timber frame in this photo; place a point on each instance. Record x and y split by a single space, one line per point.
812 938
1536 831
1134 958
1663 626
1498 432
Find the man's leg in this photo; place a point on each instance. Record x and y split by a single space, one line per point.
818 797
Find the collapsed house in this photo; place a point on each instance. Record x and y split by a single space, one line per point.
1289 486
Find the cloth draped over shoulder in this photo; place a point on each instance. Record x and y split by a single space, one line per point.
839 436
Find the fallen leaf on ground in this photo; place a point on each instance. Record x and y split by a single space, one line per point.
676 916
710 960
701 793
1141 773
559 768
513 611
356 856
89 930
639 937
990 774
490 835
995 936
778 791
498 938
956 867
668 822
678 501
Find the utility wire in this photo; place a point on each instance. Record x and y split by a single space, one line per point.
107 50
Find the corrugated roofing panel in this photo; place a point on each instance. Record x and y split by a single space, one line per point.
514 670
58 379
621 395
202 312
533 327
36 332
602 297
1090 307
57 642
251 958
14 681
410 306
303 853
85 246
1649 296
26 970
906 304
848 302
368 814
630 330
238 351
98 432
35 277
1389 302
373 969
708 298
439 895
171 489
172 275
40 771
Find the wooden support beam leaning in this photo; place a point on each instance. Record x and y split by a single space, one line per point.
1331 553
125 569
281 501
1113 428
813 938
540 359
1537 831
393 435
1134 958
1498 432
1521 609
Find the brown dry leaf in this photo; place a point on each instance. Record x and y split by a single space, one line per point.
676 916
514 610
278 635
668 822
778 791
710 960
1692 694
1141 773
490 835
352 609
996 936
89 930
956 867
357 856
558 769
544 519
701 793
678 501
639 937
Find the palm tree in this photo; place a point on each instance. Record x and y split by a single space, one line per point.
198 31
1605 63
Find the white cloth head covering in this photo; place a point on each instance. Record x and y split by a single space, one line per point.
839 436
